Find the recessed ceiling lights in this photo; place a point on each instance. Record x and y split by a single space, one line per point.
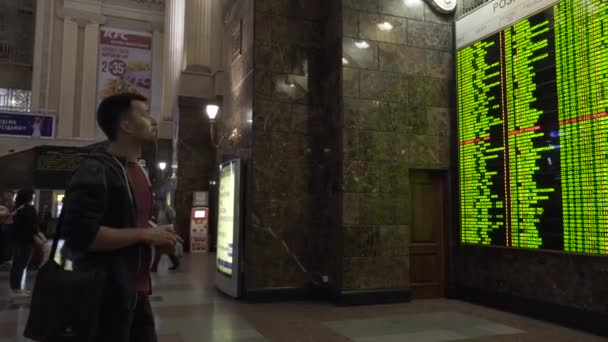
362 44
385 26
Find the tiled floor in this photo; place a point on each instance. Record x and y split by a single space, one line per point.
188 309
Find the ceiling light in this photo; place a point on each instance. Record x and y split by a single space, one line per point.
362 44
212 111
385 26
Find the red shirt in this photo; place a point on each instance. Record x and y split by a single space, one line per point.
143 198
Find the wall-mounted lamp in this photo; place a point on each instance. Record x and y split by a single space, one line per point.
162 165
212 111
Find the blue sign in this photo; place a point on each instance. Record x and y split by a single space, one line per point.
32 125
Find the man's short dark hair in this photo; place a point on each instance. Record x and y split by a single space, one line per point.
114 109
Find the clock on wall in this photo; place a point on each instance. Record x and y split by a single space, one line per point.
444 6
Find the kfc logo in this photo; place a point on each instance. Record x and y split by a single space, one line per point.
115 35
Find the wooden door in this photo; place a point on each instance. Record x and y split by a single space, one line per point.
427 254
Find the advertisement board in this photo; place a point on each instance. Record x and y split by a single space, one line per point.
27 125
125 62
229 228
225 225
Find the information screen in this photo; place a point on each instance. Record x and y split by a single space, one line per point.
533 131
226 219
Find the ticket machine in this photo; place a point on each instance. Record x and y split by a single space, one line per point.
199 230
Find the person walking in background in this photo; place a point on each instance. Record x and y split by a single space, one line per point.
7 206
24 230
44 220
165 216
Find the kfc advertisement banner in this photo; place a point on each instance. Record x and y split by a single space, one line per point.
125 62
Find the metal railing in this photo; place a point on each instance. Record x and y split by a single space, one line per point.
15 99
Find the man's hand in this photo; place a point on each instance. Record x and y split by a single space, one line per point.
163 236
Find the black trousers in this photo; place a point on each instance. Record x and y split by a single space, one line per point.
120 325
6 243
159 254
22 254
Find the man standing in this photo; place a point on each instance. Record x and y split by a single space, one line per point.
108 205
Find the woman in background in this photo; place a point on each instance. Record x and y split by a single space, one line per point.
25 227
7 207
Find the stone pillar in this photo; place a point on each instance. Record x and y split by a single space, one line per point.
204 35
195 159
40 41
89 81
156 102
173 55
68 78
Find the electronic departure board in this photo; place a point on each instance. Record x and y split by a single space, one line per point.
533 130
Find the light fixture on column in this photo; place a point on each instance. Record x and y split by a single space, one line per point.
212 111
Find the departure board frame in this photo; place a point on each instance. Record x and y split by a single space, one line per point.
536 205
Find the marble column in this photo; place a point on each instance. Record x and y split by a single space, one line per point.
173 55
68 78
156 100
40 41
89 81
204 29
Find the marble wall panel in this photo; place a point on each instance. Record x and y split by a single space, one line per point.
290 30
403 59
309 9
394 240
291 88
362 5
282 58
288 146
399 121
430 152
360 241
383 28
439 121
360 113
350 82
263 29
371 273
376 145
375 85
405 9
429 92
350 23
429 35
361 54
571 280
350 208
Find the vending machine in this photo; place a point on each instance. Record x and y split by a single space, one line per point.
199 230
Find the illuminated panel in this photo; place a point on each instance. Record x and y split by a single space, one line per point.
581 38
528 49
533 131
481 144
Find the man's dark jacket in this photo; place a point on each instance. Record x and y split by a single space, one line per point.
100 194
